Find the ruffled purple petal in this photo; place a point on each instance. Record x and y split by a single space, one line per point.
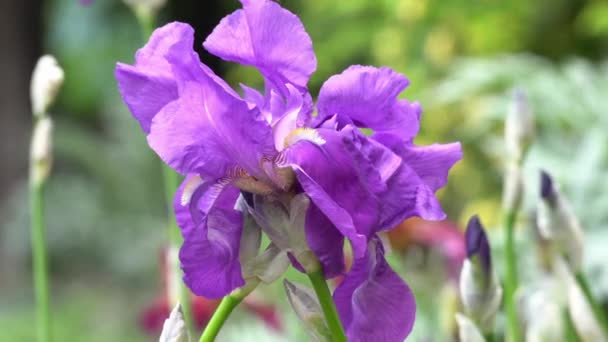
148 85
208 129
337 185
212 232
268 37
424 171
373 301
367 96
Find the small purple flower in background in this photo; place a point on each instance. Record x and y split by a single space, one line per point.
269 145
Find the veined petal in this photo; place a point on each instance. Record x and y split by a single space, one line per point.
148 85
337 184
424 170
268 37
326 241
212 229
367 96
373 301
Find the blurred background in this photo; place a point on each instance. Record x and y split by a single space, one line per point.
105 209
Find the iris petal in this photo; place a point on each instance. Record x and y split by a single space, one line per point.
367 97
270 38
373 302
210 253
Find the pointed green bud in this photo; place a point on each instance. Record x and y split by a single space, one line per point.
306 306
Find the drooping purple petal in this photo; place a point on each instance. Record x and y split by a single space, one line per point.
373 301
268 37
368 97
148 85
326 241
210 253
333 181
477 244
424 171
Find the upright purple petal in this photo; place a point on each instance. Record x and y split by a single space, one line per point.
212 233
268 37
373 302
148 85
208 129
367 96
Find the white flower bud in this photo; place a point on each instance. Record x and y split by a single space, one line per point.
557 222
467 330
174 328
146 7
47 79
519 127
481 301
513 187
41 151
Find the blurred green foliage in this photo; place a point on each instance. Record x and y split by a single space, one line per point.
105 208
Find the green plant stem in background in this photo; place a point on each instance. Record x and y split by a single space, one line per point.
39 259
597 309
511 281
327 304
570 334
171 182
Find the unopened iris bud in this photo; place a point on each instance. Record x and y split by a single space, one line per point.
47 79
513 187
306 306
174 328
41 151
557 222
519 127
146 8
467 330
479 288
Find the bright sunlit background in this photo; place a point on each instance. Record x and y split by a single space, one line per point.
464 58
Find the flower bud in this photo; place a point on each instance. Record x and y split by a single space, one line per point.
306 306
467 330
557 222
285 226
146 8
41 151
47 79
479 287
519 127
174 329
513 187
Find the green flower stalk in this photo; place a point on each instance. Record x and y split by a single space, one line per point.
519 132
46 82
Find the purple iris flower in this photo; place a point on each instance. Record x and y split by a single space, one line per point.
270 144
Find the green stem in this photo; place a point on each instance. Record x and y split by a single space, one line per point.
511 280
327 304
219 317
39 259
570 334
597 309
